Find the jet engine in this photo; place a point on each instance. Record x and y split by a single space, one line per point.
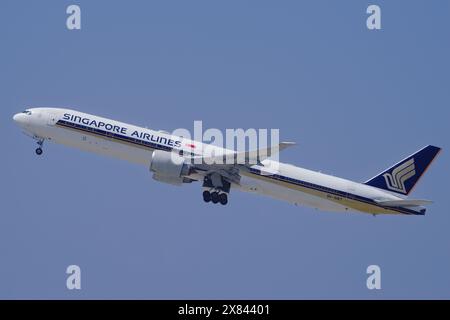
169 167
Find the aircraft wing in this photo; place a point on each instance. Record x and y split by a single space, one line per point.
228 166
245 157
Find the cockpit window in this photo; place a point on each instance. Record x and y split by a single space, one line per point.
27 112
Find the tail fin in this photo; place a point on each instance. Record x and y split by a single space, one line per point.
403 176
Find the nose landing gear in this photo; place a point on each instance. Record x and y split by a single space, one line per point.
40 143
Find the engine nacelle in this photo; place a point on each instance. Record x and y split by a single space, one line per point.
170 180
169 167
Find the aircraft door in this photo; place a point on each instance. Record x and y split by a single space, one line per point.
52 119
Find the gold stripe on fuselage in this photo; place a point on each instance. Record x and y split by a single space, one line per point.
343 201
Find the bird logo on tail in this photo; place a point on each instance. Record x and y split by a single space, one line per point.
395 181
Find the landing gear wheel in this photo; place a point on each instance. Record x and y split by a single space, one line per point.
206 196
40 143
214 197
223 198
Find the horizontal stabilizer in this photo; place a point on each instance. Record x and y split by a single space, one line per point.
405 203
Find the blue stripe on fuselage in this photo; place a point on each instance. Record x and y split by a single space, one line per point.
156 146
112 135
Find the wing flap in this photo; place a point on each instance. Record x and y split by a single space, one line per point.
405 203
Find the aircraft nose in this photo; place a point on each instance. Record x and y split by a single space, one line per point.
19 118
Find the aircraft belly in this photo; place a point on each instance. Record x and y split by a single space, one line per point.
262 185
299 195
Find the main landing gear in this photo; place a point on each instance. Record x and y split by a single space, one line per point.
216 189
215 197
40 143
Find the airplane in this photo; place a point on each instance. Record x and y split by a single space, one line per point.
169 158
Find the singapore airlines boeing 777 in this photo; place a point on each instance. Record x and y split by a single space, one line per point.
169 158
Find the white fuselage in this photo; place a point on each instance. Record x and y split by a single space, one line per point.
136 144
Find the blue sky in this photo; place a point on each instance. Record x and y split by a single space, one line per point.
355 100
